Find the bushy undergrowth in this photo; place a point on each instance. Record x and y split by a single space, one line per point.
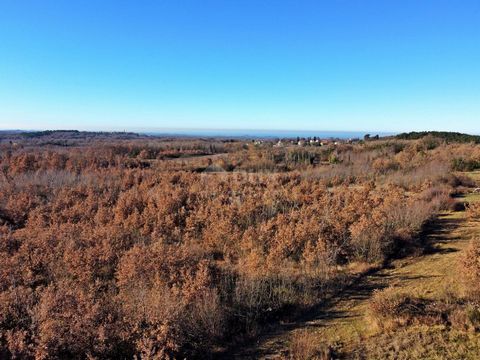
303 345
460 164
392 308
470 267
107 254
473 211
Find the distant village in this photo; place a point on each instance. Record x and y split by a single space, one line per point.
313 141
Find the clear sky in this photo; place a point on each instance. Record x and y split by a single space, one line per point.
382 65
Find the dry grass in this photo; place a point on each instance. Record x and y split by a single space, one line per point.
442 324
465 318
472 198
473 211
419 342
304 345
390 309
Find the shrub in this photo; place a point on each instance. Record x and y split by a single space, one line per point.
473 211
369 242
438 196
466 318
391 308
305 345
333 159
461 164
470 267
473 316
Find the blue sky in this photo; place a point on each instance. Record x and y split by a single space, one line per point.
372 65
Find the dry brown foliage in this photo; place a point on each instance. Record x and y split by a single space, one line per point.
305 345
392 308
123 249
470 269
473 211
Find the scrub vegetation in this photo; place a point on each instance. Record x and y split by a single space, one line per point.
153 248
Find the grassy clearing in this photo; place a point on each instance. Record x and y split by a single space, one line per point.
419 342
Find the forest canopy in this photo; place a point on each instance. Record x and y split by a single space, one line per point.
444 135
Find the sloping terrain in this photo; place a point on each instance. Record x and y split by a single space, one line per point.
342 329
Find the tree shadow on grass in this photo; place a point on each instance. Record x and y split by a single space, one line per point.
439 232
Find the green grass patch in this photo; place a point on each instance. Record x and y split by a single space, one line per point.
472 198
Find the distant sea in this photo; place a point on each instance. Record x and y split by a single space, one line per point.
262 134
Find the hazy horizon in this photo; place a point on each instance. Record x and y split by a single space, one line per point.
234 133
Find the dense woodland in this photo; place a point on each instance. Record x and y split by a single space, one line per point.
444 135
154 248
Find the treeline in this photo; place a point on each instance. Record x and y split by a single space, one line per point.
444 135
66 135
33 134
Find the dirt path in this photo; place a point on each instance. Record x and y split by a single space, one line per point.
343 321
